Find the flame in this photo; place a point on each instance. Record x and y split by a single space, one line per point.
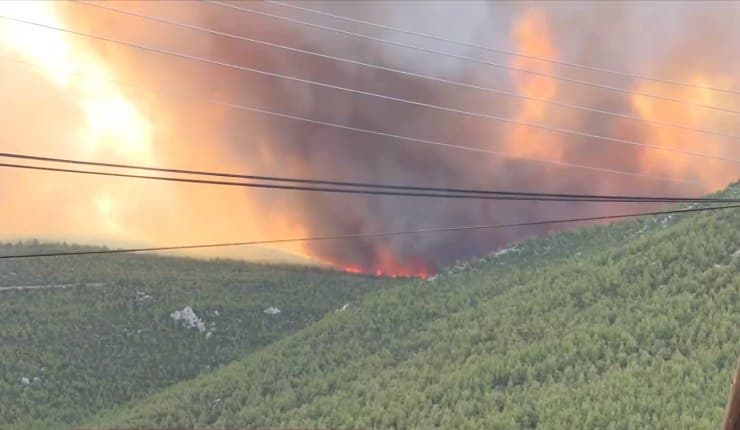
531 35
353 269
110 125
391 268
399 273
112 121
675 164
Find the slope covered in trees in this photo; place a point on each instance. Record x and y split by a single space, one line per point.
80 334
631 325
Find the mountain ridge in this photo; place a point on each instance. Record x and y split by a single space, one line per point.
84 333
507 342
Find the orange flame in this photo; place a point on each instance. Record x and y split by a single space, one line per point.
678 165
403 273
531 35
107 121
391 269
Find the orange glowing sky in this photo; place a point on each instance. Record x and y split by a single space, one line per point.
66 106
93 119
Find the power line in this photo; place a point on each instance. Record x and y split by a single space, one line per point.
368 235
471 59
345 184
407 73
358 191
441 144
380 96
502 51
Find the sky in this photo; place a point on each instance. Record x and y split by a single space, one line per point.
63 97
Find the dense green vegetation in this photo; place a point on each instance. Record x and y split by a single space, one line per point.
632 325
99 331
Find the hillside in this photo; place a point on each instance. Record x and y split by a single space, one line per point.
631 325
81 334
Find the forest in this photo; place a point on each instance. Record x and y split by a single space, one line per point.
628 325
85 333
631 324
428 215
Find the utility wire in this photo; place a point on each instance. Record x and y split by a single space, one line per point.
367 184
368 235
471 59
446 145
502 51
364 191
380 96
411 74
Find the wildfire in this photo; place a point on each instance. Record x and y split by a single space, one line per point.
400 273
661 162
531 35
102 122
112 123
392 269
353 269
70 109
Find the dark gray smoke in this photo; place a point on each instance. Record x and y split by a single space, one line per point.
677 41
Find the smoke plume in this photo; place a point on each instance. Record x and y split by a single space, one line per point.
57 114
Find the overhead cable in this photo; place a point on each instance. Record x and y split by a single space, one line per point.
503 51
473 60
368 235
381 96
345 190
343 184
446 145
557 103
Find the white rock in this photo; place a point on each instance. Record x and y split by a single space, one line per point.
505 251
188 318
25 381
142 296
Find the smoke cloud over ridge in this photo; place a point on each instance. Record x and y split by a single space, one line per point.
58 113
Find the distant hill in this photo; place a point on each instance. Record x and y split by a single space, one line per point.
81 334
631 325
